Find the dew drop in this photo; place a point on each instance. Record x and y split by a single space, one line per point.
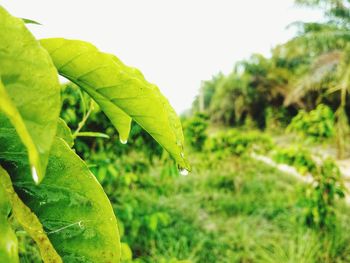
81 224
183 171
123 141
182 155
35 175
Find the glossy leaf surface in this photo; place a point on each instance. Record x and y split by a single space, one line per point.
115 87
73 208
65 133
30 81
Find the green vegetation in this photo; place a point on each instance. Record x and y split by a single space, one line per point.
196 131
297 157
238 142
95 169
47 188
316 125
243 211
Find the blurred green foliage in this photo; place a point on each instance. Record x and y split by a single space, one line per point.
238 142
295 156
321 195
195 131
310 69
325 186
316 125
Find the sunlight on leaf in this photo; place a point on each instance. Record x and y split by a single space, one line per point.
31 91
73 208
7 107
117 87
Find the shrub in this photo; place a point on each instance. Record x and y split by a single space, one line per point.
320 196
317 124
318 200
297 157
195 130
237 143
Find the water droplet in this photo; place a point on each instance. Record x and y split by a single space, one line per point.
35 175
42 203
123 141
183 171
81 224
182 155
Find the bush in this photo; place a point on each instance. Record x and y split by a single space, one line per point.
318 200
237 142
297 157
320 196
195 130
317 124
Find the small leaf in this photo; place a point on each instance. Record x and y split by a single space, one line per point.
28 220
93 134
114 85
30 21
30 85
64 132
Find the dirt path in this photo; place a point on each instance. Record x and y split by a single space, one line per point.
344 166
324 151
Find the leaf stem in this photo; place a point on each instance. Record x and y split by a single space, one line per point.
83 121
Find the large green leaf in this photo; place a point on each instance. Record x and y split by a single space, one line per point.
116 86
30 81
8 239
73 208
28 220
11 112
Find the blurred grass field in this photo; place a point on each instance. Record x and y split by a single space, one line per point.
239 210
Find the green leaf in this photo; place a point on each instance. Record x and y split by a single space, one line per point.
8 239
30 81
93 134
64 132
28 220
120 120
10 110
126 253
73 208
30 21
114 85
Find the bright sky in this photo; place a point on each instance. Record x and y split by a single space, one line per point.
175 43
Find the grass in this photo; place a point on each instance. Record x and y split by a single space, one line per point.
233 210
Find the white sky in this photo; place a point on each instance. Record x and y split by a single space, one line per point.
175 43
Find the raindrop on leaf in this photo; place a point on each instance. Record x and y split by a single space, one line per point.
123 141
183 171
35 175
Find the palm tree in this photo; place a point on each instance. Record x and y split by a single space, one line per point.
328 48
